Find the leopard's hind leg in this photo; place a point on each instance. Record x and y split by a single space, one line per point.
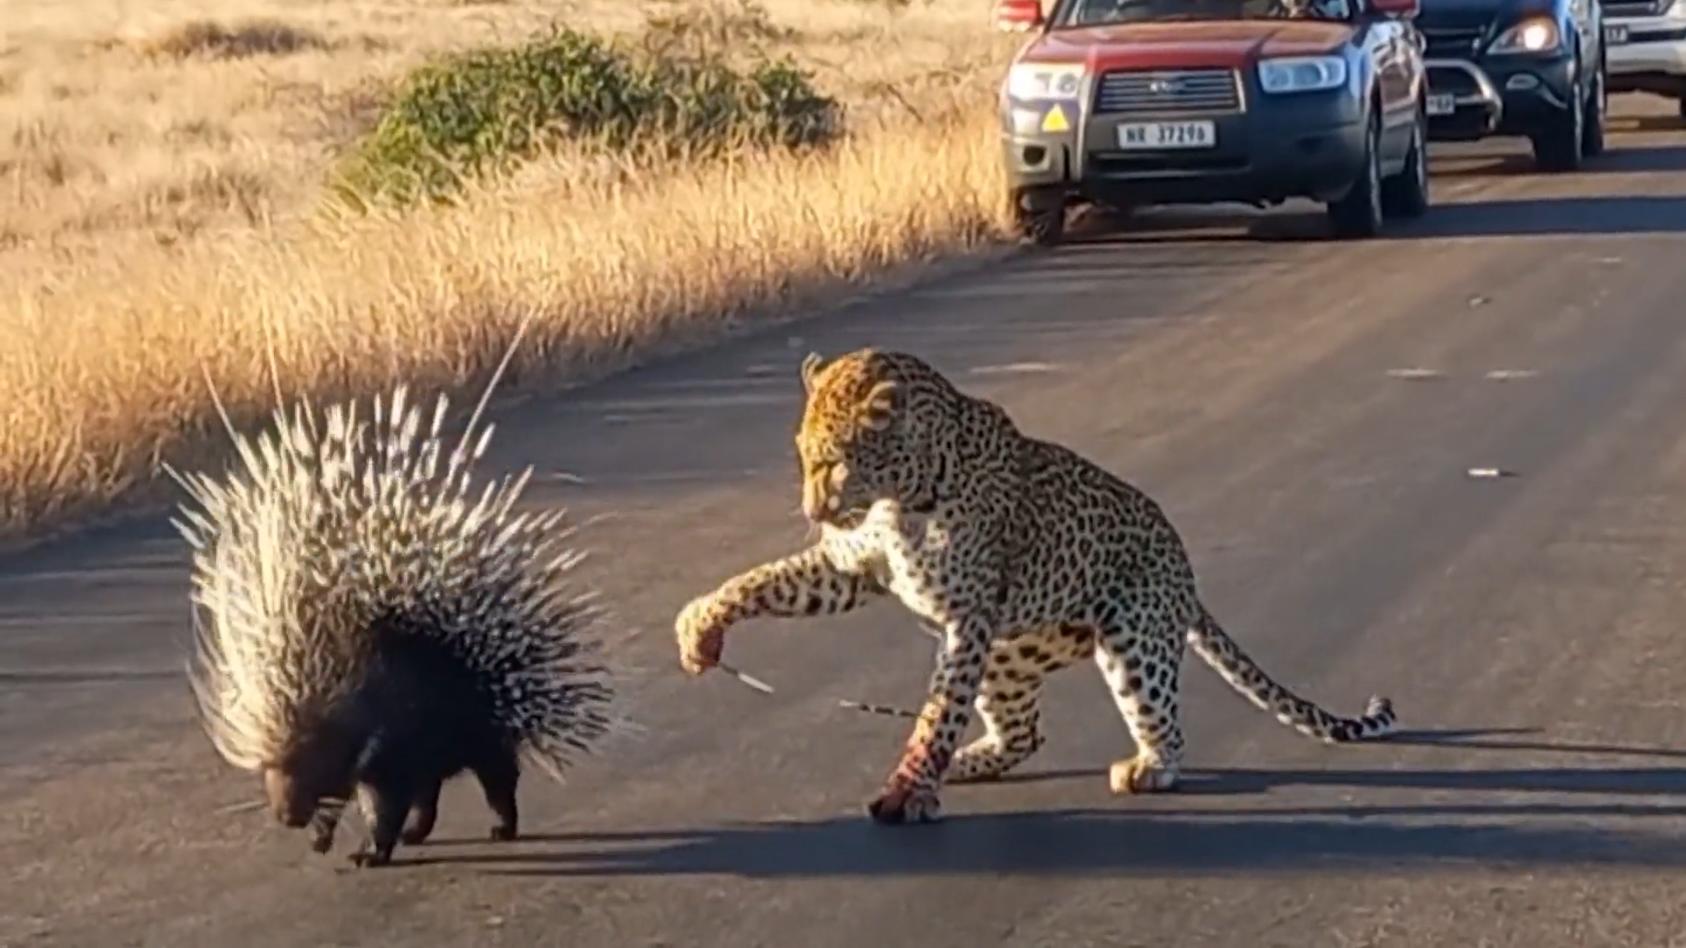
1142 661
1009 700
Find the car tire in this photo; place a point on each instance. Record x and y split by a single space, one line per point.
1598 109
1042 223
1406 194
1117 210
1359 214
1560 145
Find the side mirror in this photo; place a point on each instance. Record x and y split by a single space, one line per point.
1396 9
1019 16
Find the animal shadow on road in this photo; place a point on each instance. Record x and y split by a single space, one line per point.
1167 836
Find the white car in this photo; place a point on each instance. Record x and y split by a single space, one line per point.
1645 41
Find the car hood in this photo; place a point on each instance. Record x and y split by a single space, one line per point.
1227 44
1475 14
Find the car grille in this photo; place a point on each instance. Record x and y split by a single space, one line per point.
1115 163
1452 82
1201 90
1450 44
1642 8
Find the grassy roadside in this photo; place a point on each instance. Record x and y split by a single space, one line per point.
107 381
161 222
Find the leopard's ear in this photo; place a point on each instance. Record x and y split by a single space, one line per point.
879 407
810 370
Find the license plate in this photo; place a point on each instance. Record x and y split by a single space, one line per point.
1157 135
1442 104
1615 34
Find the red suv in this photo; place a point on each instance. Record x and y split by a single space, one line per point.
1136 102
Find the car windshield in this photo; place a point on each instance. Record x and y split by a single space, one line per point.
1082 13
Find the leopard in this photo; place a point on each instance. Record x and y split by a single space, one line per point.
1019 555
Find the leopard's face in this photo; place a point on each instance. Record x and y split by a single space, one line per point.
851 445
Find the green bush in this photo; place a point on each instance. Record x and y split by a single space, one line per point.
482 111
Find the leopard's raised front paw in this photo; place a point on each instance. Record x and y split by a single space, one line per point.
701 635
898 806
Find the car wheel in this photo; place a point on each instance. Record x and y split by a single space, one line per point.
1406 194
1598 108
1119 211
1558 146
1359 213
1042 222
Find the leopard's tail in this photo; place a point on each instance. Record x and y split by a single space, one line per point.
1213 644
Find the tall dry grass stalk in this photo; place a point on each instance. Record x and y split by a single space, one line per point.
101 379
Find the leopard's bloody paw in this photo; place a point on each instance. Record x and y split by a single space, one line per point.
903 805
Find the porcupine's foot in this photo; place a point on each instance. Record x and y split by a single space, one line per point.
322 825
384 807
368 858
423 814
498 779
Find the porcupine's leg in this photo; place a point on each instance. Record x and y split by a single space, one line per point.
498 777
816 581
323 822
423 814
385 805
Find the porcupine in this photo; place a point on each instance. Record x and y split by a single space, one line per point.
363 624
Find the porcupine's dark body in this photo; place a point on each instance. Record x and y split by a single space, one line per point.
368 626
416 722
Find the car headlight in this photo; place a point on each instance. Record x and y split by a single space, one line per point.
1533 35
1044 80
1302 73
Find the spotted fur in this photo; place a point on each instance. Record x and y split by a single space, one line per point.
1021 555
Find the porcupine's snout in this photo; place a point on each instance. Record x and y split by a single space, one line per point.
288 800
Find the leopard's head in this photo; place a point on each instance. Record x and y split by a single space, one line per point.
870 431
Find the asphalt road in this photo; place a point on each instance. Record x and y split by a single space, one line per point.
1526 627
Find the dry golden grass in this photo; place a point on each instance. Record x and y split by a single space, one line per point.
246 38
160 215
